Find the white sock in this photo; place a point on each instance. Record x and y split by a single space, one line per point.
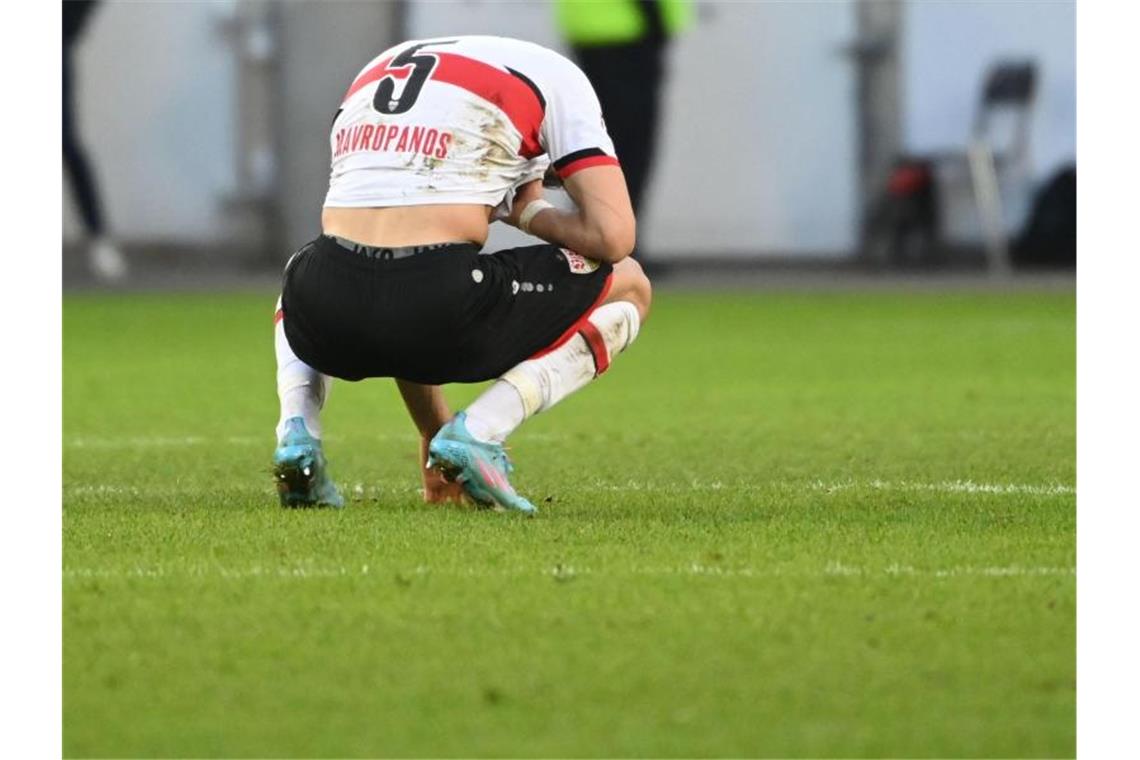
538 384
496 412
300 388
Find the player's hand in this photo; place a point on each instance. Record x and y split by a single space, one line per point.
436 489
439 491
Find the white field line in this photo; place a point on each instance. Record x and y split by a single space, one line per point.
951 486
265 440
156 491
945 486
629 486
561 572
168 441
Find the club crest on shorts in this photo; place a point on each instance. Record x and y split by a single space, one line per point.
578 263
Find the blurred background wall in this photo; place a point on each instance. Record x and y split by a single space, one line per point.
156 89
948 44
208 122
946 47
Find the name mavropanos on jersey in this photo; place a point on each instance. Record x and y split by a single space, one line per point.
462 120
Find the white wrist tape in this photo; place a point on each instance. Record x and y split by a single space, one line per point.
530 211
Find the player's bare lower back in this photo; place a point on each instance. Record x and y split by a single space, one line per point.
408 225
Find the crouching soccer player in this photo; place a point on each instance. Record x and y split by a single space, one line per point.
434 140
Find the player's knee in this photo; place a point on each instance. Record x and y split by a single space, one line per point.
631 284
640 289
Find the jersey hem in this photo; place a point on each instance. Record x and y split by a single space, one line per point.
431 200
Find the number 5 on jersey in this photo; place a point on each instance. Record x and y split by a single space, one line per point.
423 64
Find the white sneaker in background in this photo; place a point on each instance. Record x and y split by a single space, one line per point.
106 260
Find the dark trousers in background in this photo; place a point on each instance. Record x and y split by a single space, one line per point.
75 15
627 79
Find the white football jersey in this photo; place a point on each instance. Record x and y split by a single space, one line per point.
462 120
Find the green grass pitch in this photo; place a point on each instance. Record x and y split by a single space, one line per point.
782 525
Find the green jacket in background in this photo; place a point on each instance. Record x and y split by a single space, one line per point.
610 22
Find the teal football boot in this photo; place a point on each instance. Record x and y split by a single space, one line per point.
481 468
301 471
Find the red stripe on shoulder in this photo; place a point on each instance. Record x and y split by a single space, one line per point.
501 88
374 74
586 163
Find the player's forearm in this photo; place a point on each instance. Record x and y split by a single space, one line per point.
426 406
602 239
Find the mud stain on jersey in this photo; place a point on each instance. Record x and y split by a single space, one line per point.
483 150
489 138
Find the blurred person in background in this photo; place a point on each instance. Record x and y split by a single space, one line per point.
621 46
104 257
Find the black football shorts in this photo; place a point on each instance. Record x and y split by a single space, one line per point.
433 314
